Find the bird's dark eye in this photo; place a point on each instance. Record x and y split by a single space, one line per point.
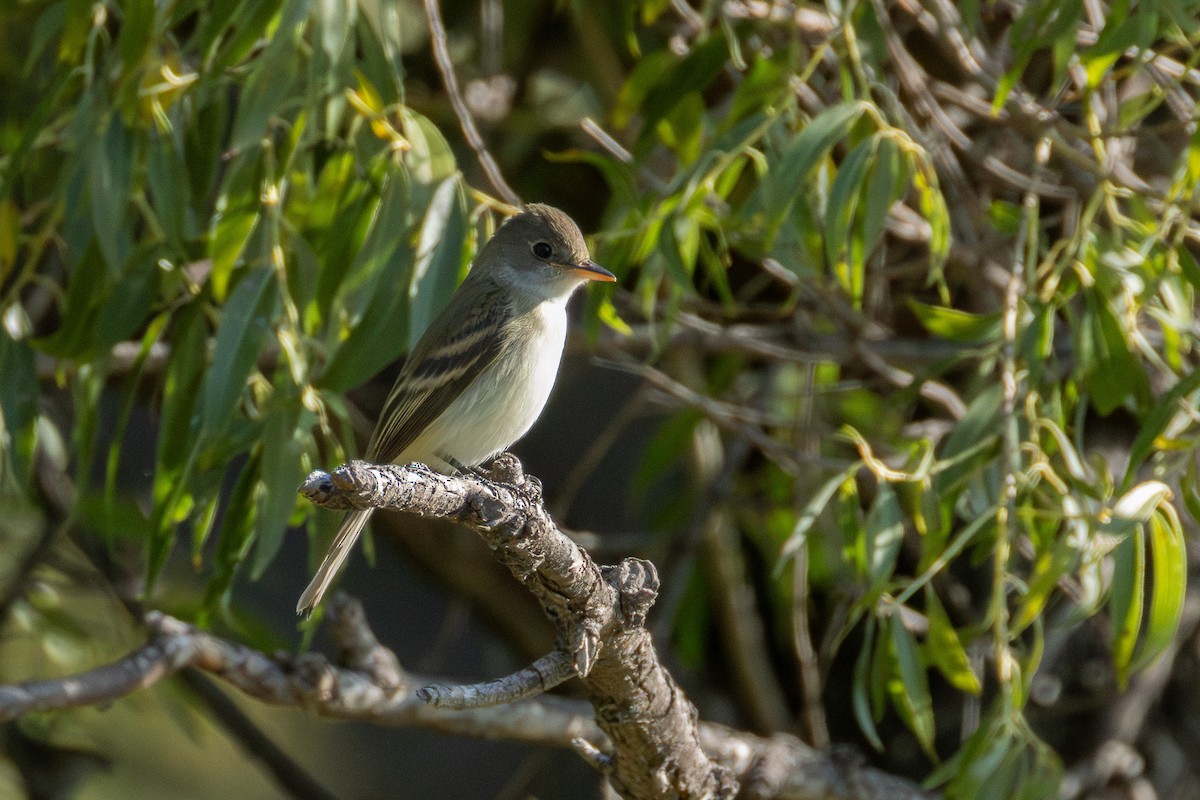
542 250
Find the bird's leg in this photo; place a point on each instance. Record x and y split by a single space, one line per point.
463 469
502 468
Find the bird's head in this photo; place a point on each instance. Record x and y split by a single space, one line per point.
541 250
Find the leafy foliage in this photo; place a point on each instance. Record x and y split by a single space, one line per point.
923 267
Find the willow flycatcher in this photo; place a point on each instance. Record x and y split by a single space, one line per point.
480 375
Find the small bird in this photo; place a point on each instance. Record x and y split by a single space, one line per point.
480 375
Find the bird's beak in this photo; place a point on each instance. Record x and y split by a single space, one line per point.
591 271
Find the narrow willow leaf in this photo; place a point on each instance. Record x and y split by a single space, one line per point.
283 468
365 229
431 159
75 30
1076 467
18 405
1112 372
860 692
910 686
812 510
809 148
380 334
1049 567
972 436
125 308
245 322
178 427
170 190
137 28
110 178
439 260
1126 600
179 439
1168 558
945 648
268 84
236 533
840 212
235 217
690 74
983 755
956 325
335 19
131 399
884 534
886 184
1165 409
245 27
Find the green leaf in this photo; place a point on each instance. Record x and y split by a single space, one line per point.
1049 567
661 453
245 322
945 648
886 184
363 226
974 434
125 309
178 427
264 90
132 398
109 180
1168 557
87 284
236 533
812 510
430 160
690 74
439 259
1111 372
137 27
18 406
956 325
170 190
1126 600
380 334
75 30
863 678
779 190
1174 402
248 25
335 19
179 438
236 214
910 686
283 467
840 212
884 533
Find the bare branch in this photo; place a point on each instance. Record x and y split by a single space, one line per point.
350 693
542 675
598 613
441 54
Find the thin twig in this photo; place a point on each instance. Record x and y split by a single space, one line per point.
542 675
441 54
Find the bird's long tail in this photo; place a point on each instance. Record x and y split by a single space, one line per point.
342 545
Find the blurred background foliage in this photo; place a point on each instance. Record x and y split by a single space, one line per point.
898 389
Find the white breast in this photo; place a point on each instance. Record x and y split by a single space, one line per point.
505 401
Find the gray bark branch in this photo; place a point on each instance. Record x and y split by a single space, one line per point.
640 727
